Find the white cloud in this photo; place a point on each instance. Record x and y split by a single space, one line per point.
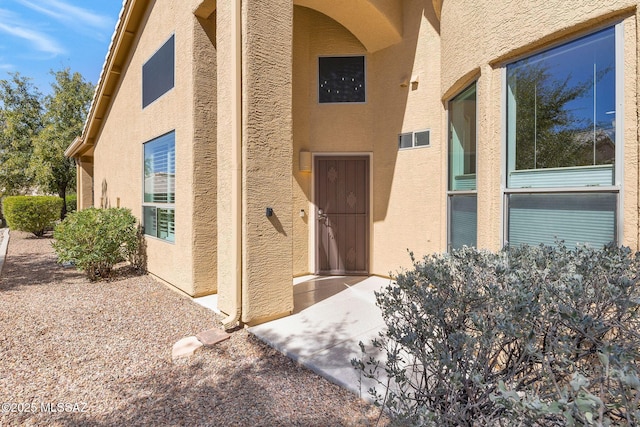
9 24
70 15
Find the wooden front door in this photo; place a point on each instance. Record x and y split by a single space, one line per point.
342 214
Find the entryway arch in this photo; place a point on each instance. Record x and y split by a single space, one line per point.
376 23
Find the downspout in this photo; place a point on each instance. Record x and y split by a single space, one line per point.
236 152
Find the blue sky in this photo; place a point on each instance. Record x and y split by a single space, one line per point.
37 36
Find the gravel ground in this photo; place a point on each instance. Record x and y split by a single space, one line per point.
104 349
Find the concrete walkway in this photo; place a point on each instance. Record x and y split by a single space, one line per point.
332 315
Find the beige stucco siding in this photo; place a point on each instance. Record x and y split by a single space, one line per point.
84 180
267 159
408 185
204 166
227 259
119 147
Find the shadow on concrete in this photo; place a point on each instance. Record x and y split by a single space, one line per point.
324 336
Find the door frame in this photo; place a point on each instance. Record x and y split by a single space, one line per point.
313 235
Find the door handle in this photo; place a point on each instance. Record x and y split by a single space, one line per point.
321 215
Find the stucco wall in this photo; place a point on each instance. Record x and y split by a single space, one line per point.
205 215
407 186
496 33
119 147
267 159
84 179
228 263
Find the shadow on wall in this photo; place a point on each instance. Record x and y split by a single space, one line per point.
273 219
375 126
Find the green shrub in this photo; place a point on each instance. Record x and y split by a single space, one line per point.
96 239
71 201
531 336
34 214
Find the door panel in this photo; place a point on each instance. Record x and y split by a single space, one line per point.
342 214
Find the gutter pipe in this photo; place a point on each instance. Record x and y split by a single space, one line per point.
234 319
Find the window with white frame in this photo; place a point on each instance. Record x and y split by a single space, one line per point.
341 79
414 139
159 187
462 195
561 144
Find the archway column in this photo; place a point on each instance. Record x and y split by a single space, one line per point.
255 159
267 37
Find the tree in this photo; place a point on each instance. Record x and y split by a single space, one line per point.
549 133
65 113
20 122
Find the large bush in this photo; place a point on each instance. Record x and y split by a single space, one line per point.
535 336
34 214
97 239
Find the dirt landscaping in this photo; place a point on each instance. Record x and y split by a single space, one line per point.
81 353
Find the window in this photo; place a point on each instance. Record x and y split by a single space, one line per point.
159 187
341 79
158 73
463 216
413 139
561 144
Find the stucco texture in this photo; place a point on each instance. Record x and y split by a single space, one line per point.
119 147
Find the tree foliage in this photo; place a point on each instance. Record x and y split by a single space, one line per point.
65 112
549 133
20 123
34 214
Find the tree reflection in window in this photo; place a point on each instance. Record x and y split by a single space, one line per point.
561 105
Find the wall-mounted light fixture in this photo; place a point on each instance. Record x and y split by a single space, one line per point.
413 80
304 161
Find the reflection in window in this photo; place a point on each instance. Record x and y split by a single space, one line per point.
561 121
159 187
462 141
341 79
561 114
462 170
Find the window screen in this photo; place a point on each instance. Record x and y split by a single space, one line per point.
405 140
586 218
463 220
158 73
421 139
341 79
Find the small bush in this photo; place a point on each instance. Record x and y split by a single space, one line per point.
535 336
71 200
96 239
34 214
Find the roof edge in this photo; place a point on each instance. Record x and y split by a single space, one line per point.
125 27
